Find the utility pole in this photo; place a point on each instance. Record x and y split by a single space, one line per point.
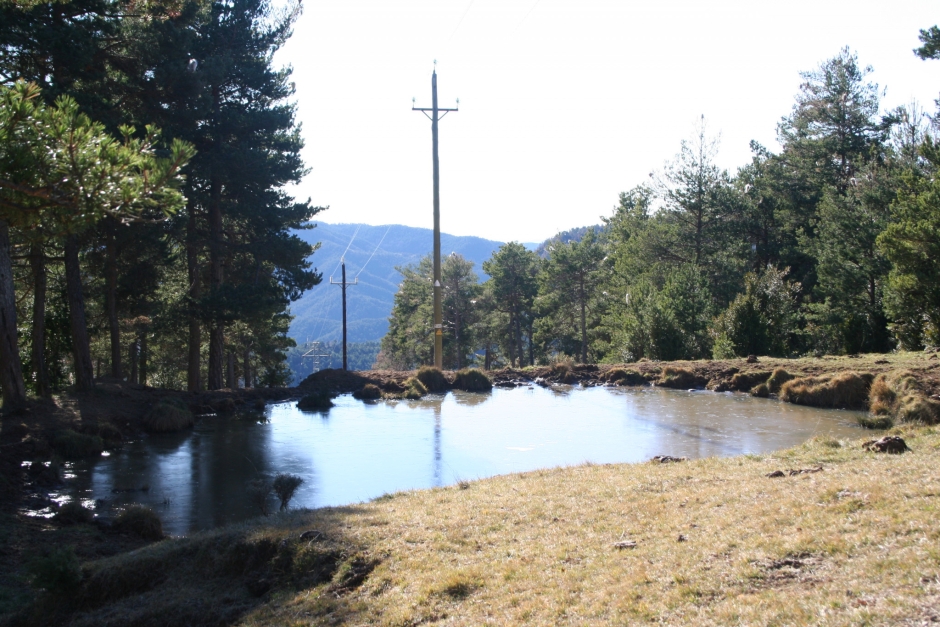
436 114
315 354
343 284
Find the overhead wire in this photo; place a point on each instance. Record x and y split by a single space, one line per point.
373 252
342 257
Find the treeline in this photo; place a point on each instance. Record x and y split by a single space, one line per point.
831 246
359 356
144 228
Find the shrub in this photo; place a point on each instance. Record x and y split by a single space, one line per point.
315 401
73 445
472 380
167 416
777 378
747 380
847 390
622 376
432 378
563 368
73 513
369 392
110 434
679 378
141 521
57 571
284 487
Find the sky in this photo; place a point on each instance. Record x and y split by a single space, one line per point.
563 103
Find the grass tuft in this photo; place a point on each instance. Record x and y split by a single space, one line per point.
315 401
414 389
472 380
73 513
167 416
141 521
680 378
847 390
369 392
69 444
876 422
777 378
432 378
58 571
743 381
623 376
761 391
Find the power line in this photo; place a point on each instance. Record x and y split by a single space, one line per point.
467 10
374 251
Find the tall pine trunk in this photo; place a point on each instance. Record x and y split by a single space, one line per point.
11 370
583 320
111 300
216 335
142 368
230 372
37 263
193 373
247 368
81 351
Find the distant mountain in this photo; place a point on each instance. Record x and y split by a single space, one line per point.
318 314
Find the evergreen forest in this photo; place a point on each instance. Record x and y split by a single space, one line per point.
145 230
829 246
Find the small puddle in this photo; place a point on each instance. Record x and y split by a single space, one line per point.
358 451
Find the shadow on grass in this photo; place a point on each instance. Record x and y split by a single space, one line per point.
216 577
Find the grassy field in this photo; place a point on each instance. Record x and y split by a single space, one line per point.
717 541
853 540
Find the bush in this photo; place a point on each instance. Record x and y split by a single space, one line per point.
679 378
622 376
167 416
563 368
777 378
284 487
73 513
315 401
432 378
57 571
747 380
141 521
369 392
847 390
472 380
70 444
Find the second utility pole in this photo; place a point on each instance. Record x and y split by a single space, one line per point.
436 114
343 284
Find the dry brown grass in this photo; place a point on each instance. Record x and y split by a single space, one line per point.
848 390
717 543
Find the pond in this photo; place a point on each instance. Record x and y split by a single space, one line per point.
358 451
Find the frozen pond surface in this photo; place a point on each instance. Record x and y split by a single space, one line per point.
358 451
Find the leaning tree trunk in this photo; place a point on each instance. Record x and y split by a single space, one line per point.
11 370
81 351
111 301
37 263
193 374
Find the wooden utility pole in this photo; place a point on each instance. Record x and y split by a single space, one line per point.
343 284
436 114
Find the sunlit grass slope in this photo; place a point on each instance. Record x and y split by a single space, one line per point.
717 542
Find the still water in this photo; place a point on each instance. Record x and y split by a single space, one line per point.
358 451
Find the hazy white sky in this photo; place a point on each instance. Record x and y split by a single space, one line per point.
563 103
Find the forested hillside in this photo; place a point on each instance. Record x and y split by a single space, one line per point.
144 228
829 246
373 254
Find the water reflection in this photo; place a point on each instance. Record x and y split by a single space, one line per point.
357 451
